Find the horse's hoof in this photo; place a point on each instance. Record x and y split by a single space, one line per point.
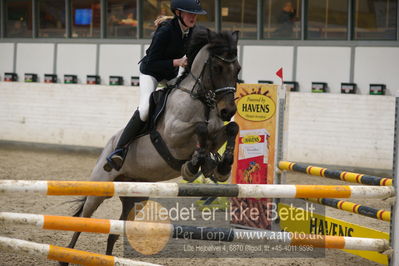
107 167
115 162
63 263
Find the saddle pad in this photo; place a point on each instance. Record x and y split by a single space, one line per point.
158 101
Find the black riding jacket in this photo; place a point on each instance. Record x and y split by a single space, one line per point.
167 44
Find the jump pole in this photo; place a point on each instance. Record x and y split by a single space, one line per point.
63 254
394 232
354 208
335 174
200 233
144 189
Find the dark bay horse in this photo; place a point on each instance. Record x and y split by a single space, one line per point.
192 126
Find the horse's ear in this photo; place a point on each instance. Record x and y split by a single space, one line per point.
211 34
235 35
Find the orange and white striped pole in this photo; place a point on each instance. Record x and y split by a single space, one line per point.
340 242
201 233
144 189
63 254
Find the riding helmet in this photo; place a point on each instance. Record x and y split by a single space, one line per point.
189 6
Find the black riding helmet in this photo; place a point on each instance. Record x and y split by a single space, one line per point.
189 6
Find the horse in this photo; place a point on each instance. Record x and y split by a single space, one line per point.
192 127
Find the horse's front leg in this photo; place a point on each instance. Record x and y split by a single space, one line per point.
190 169
222 172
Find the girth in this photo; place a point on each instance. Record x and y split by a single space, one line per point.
163 150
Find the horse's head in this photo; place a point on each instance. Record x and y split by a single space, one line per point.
215 71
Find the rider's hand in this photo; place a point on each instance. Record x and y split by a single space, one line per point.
181 62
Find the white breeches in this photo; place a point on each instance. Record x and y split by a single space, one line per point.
148 84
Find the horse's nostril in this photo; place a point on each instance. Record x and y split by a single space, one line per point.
226 115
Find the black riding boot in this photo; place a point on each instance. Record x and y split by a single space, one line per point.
117 157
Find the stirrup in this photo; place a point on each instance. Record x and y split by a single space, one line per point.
115 160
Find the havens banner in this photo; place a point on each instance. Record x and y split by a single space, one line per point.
255 146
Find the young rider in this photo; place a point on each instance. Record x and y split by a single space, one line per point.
161 64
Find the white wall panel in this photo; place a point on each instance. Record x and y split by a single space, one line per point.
67 114
6 58
76 59
377 65
35 58
341 129
119 60
262 62
323 64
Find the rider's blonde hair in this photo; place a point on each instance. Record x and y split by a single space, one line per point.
161 19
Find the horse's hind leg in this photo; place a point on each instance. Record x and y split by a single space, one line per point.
88 207
127 205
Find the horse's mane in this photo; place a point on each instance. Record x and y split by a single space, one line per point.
218 43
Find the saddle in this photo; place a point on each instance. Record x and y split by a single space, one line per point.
158 101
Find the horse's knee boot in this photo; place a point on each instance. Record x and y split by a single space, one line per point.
189 172
232 129
208 167
221 178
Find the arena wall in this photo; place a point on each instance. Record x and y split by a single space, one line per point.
64 114
341 129
330 129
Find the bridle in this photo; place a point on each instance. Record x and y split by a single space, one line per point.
209 96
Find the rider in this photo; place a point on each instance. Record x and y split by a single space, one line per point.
160 65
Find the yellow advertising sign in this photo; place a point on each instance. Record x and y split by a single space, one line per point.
256 107
318 224
251 139
255 147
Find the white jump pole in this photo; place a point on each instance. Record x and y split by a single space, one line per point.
395 211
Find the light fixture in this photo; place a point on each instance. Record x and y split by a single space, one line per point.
70 79
10 77
291 85
50 78
135 81
115 80
93 79
377 89
319 87
348 88
265 82
30 77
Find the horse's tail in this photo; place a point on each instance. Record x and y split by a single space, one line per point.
79 208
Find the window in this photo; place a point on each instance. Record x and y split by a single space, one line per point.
241 16
375 19
207 20
18 19
152 10
121 19
328 19
282 19
86 17
52 18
